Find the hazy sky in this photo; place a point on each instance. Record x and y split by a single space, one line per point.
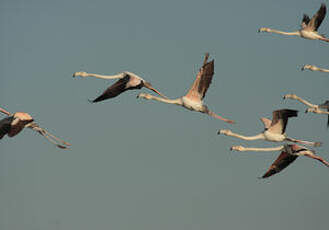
142 165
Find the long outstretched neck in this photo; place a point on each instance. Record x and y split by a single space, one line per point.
146 96
5 112
243 149
247 138
107 77
290 96
295 33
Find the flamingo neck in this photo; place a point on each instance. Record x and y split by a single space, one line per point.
295 33
177 101
248 138
107 77
261 149
304 102
323 70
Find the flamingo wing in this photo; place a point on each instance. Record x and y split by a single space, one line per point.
317 18
280 163
266 122
203 80
5 126
280 120
114 90
306 19
325 106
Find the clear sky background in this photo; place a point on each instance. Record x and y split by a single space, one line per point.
143 165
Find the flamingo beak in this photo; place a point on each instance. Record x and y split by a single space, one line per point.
303 68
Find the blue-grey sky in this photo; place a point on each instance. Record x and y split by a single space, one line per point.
142 165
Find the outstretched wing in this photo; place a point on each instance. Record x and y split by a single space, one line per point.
5 126
317 18
203 80
114 90
266 122
280 120
306 19
280 163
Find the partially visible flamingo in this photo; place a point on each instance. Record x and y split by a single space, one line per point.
289 154
274 130
312 108
127 81
315 68
15 123
193 100
309 26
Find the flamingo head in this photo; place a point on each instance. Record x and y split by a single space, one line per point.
310 67
237 148
80 74
289 96
310 110
264 29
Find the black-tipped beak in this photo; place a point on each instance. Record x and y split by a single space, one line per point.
302 69
306 111
218 133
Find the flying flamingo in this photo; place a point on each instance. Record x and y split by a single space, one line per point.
193 99
309 26
289 153
15 123
315 68
312 108
127 81
274 130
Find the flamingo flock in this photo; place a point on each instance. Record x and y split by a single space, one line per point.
274 130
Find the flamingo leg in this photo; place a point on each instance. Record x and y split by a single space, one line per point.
210 113
5 112
310 143
323 161
50 137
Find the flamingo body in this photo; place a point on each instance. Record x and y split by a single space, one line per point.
192 104
193 100
14 124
